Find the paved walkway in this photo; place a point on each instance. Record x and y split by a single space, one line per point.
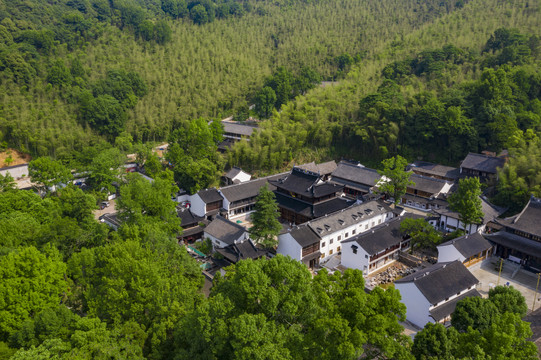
523 281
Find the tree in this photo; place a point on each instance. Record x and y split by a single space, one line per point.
30 281
72 337
276 305
395 178
508 299
264 102
142 203
474 312
48 173
7 183
153 165
435 342
506 338
199 14
104 170
130 282
467 202
421 232
266 226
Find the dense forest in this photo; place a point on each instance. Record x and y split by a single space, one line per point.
56 55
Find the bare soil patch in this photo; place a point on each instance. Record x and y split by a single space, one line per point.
18 158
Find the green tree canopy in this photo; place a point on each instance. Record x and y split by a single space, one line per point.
396 180
474 312
30 281
126 281
293 316
48 173
467 202
422 234
266 226
508 299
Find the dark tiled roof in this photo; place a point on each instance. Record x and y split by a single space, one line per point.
529 220
423 200
244 130
355 173
242 251
482 163
469 245
516 242
322 169
248 189
427 184
233 172
383 236
210 195
112 219
441 281
442 311
490 212
311 256
304 235
312 211
306 184
225 230
349 216
226 144
431 169
187 218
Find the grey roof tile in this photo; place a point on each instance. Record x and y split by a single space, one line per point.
441 281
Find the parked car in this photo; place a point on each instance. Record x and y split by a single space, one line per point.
104 204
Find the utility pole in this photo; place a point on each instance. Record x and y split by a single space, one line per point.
536 287
500 272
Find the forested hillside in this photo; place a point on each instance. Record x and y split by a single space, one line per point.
54 57
434 94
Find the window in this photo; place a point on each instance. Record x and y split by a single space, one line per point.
322 255
353 232
379 221
330 252
323 244
339 237
338 249
354 249
347 234
366 227
331 241
366 256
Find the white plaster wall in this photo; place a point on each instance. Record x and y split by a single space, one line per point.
16 172
449 253
216 243
288 246
354 261
198 207
242 177
359 227
417 306
225 203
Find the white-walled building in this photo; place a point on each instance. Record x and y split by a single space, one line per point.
372 250
331 230
426 193
223 233
468 249
431 295
236 176
206 203
239 199
448 220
